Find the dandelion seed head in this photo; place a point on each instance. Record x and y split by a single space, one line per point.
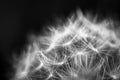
77 48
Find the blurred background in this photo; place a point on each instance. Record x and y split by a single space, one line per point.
19 18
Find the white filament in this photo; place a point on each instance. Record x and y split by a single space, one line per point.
93 37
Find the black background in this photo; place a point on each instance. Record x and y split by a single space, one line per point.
19 18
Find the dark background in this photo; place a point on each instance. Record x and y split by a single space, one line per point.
19 18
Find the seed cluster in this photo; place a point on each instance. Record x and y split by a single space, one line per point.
79 49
